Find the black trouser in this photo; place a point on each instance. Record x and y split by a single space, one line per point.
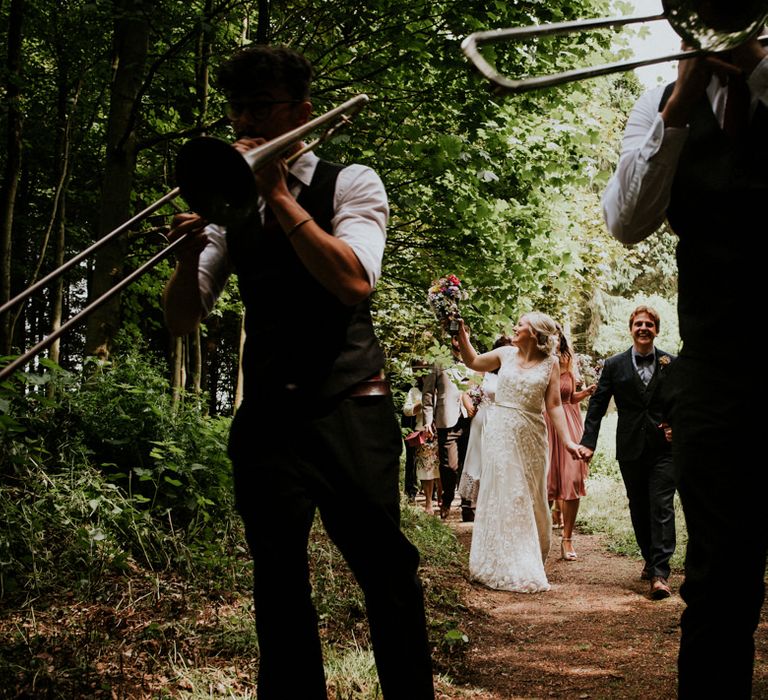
650 485
410 483
345 463
450 442
722 487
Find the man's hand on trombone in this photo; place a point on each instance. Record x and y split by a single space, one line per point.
695 74
193 227
270 179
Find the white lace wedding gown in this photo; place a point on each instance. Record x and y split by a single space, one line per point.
511 533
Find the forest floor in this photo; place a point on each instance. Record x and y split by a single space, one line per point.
595 634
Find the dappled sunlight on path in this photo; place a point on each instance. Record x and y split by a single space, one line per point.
595 634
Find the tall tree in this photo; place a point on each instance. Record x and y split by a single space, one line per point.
131 37
12 174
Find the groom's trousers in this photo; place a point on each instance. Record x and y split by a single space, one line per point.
650 485
342 460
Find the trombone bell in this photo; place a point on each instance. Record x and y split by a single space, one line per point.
217 181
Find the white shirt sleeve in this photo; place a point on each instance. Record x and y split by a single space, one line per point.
214 267
413 398
637 195
361 207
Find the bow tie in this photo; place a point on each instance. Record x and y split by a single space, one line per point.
643 360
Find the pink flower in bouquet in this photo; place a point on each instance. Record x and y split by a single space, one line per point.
444 296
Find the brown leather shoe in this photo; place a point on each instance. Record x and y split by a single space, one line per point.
660 588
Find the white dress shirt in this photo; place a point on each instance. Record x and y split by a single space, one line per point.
360 220
636 198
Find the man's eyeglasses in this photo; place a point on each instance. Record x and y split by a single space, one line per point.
258 109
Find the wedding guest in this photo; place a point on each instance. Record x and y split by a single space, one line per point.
634 379
426 460
511 535
473 462
330 442
408 422
444 409
567 475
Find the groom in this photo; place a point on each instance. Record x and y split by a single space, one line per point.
634 378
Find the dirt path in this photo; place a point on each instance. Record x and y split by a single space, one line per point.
596 634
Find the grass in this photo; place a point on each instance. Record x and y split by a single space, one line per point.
163 635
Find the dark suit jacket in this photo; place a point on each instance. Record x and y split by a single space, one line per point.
641 408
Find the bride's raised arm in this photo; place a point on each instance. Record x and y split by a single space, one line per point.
487 362
554 407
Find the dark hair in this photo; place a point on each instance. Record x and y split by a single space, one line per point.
563 346
256 66
643 309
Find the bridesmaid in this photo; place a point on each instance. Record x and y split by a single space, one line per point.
565 482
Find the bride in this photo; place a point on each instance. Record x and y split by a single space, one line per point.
510 538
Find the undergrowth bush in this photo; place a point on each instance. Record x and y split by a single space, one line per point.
103 472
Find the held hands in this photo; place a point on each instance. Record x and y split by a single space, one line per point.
667 430
574 450
584 453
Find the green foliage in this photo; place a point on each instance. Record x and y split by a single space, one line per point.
105 474
501 191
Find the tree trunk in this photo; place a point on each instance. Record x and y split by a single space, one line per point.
12 164
262 28
196 360
64 118
239 387
178 369
131 45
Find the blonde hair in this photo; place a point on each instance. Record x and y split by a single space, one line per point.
545 329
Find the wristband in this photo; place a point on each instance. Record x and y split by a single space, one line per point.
297 226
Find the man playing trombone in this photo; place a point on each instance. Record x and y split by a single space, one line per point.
317 427
694 153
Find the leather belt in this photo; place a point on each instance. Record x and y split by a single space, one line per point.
376 385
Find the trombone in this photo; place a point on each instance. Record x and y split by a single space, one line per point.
718 25
222 192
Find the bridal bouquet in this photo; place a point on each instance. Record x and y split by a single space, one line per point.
476 395
444 296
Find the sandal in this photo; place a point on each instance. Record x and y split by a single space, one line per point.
567 556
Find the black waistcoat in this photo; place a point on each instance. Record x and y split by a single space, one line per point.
299 337
718 195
